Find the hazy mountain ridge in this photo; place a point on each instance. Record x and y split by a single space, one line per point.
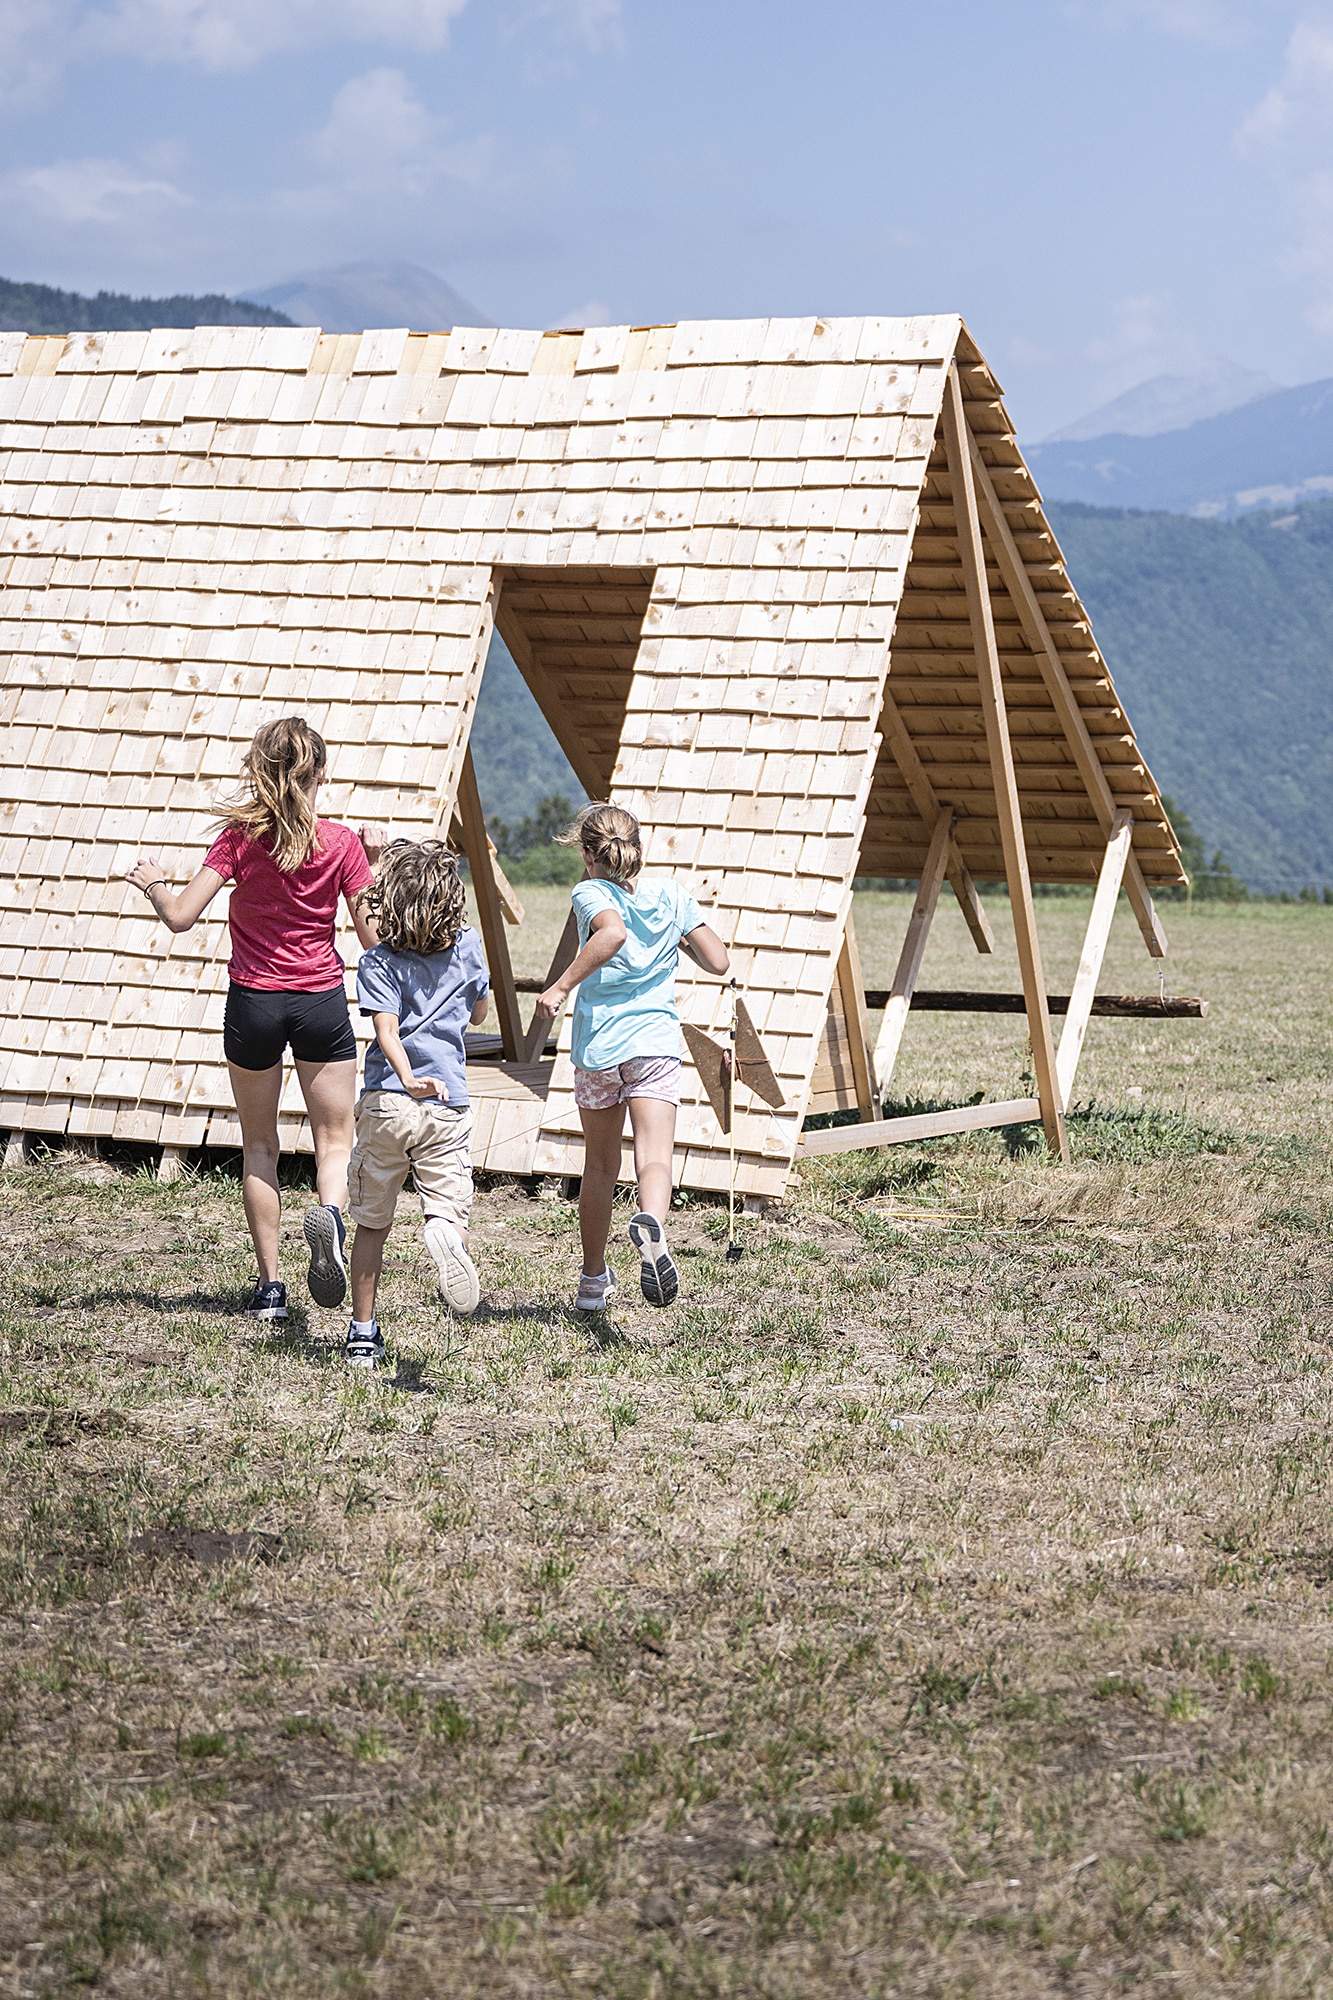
1170 403
351 297
1274 452
28 308
1219 635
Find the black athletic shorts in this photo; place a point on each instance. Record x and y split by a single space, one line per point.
258 1026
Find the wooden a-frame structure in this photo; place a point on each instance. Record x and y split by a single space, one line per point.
784 588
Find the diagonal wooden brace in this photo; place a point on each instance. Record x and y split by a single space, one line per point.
1094 950
929 806
913 951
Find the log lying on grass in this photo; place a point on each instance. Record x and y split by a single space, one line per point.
1110 1006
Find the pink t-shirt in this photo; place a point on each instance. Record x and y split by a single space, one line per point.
282 925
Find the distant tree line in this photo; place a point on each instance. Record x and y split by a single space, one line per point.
44 309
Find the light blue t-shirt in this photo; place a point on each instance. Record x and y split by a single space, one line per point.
433 995
628 1007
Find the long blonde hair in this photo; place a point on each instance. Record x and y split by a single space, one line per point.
611 836
418 901
277 805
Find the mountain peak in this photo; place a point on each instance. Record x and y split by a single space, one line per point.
1167 403
348 298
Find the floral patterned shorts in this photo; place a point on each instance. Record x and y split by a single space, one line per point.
641 1076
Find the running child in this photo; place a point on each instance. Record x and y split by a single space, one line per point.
423 984
288 868
627 1040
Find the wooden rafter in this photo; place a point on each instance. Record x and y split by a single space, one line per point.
1002 763
1018 583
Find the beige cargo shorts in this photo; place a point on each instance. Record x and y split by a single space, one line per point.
397 1135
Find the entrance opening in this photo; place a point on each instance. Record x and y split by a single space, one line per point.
570 638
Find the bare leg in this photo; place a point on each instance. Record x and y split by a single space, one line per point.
256 1092
329 1090
601 1167
367 1263
653 1122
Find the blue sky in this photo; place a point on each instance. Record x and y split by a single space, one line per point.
1105 188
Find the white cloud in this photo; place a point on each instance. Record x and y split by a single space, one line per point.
1290 133
88 191
379 134
1222 22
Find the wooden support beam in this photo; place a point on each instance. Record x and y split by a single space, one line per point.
171 1163
489 911
1052 668
925 1125
1094 950
566 951
913 951
16 1150
851 986
561 723
956 438
928 805
509 902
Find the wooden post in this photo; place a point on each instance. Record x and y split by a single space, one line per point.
1094 950
928 805
852 988
1002 763
913 951
16 1150
566 951
171 1163
489 911
1038 635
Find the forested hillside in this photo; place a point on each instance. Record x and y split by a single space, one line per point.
1220 637
44 309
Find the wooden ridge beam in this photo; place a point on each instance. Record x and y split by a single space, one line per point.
1049 659
957 442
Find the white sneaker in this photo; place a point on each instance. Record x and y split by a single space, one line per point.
460 1286
595 1294
658 1278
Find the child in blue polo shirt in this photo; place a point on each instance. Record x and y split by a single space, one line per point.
626 1042
422 985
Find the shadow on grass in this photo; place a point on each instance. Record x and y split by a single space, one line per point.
231 1307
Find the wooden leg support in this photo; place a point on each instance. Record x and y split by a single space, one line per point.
16 1150
171 1163
957 441
918 783
1094 950
851 987
913 951
534 1039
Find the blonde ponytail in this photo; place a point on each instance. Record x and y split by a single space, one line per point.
611 836
277 807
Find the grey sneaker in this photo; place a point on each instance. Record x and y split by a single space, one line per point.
659 1280
460 1286
365 1350
595 1294
267 1301
327 1277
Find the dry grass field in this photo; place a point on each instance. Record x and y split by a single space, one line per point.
936 1602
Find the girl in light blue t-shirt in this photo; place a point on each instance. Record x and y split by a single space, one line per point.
627 1040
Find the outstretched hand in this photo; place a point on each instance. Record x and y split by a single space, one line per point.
374 839
146 870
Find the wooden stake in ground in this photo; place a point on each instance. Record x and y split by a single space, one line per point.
742 1060
1002 763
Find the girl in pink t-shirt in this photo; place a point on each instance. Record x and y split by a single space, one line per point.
288 869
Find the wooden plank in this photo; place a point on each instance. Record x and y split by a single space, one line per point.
927 803
1051 663
509 902
1094 950
566 951
851 985
913 951
925 1125
1105 1006
956 439
489 911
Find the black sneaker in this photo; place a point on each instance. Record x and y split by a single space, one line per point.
659 1280
269 1301
327 1277
365 1350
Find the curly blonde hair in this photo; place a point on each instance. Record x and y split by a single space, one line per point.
417 900
276 806
611 837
